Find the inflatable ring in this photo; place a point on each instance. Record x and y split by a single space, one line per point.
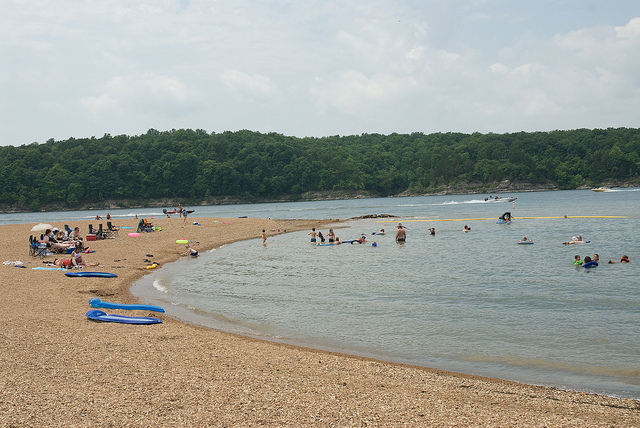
134 234
182 241
153 266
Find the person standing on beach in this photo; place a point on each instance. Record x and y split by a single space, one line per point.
401 234
180 209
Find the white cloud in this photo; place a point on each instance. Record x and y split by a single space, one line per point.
248 87
319 67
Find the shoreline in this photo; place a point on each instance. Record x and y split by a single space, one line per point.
313 196
60 369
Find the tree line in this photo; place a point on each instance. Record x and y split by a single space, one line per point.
195 167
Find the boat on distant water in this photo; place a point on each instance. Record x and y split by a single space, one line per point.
602 189
499 199
175 211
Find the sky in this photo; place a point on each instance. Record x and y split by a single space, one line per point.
76 68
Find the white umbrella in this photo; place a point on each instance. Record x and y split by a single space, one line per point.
41 226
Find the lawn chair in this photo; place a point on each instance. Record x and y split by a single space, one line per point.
111 230
100 232
37 248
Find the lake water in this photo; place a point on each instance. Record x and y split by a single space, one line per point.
473 302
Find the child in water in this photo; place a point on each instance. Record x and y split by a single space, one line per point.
577 261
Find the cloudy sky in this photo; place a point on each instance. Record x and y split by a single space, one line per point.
74 68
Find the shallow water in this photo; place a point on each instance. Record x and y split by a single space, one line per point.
473 302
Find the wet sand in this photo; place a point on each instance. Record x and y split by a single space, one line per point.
59 368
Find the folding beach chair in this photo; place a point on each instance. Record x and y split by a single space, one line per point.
100 232
37 248
111 230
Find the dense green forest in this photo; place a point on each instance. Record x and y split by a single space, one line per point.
196 167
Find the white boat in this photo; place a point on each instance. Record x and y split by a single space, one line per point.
602 189
499 199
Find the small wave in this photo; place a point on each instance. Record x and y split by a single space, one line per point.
158 286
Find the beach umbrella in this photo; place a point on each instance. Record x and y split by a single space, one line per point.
41 227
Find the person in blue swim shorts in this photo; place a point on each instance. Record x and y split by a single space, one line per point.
190 251
313 234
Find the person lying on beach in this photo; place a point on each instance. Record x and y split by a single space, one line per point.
77 260
63 263
53 243
190 251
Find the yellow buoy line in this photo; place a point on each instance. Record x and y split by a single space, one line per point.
495 218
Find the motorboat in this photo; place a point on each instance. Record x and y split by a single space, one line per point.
499 199
164 211
602 189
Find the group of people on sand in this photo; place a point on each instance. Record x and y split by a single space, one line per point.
76 260
57 239
60 240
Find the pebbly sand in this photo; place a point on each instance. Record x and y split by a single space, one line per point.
58 368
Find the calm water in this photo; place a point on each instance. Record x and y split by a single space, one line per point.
471 302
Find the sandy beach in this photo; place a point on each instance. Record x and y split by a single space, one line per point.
61 369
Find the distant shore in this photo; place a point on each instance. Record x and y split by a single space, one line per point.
60 369
475 189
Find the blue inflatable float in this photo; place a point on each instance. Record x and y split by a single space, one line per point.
97 303
92 274
97 315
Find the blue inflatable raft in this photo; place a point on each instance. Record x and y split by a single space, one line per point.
97 315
